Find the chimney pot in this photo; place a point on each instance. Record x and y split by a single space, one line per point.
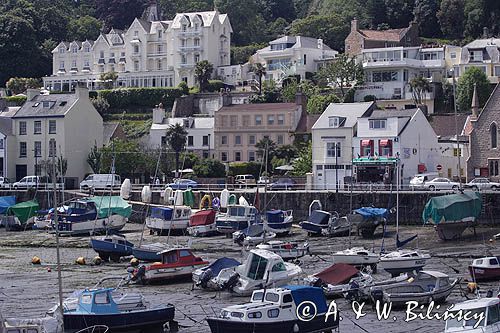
354 24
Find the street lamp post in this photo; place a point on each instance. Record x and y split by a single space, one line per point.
456 130
209 156
337 146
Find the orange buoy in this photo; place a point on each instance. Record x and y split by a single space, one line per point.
36 261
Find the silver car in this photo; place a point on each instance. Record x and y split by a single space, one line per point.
482 184
441 184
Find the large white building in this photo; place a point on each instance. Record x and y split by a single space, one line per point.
150 53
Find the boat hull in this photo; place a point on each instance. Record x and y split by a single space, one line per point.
146 254
230 226
439 296
484 273
98 226
313 228
355 260
396 267
107 249
171 273
125 321
280 229
202 230
453 230
162 227
318 324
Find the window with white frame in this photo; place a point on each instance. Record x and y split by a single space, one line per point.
52 148
251 156
159 65
258 120
86 63
196 42
37 127
1 143
237 156
160 34
237 140
280 139
477 55
38 149
184 27
74 49
223 156
333 149
196 58
61 65
190 141
377 123
73 64
86 49
251 139
52 127
281 119
136 49
22 128
493 166
136 33
136 65
205 142
270 119
22 149
183 59
159 48
62 49
333 122
223 140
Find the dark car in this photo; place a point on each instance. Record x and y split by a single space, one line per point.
283 184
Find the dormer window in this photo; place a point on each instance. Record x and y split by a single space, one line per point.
477 55
86 48
136 33
74 49
136 49
333 122
378 123
62 49
160 34
184 27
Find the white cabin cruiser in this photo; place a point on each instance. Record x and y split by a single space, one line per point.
237 217
482 316
357 256
165 218
254 234
401 261
261 269
286 250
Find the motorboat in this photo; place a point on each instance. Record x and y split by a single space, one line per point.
278 221
32 325
149 252
207 277
277 310
202 223
112 246
175 263
357 256
425 287
337 226
252 235
360 290
168 219
482 316
371 218
118 310
401 261
21 216
485 269
261 269
286 250
44 220
317 223
453 213
94 215
238 217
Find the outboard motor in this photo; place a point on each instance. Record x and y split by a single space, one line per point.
240 239
377 295
205 277
232 281
353 293
139 274
318 283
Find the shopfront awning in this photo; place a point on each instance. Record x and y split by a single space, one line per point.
374 161
366 143
384 143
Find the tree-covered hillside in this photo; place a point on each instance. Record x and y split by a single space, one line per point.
30 29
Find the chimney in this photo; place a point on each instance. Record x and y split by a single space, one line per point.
225 99
486 32
3 104
354 24
32 93
81 91
301 99
320 44
158 114
475 104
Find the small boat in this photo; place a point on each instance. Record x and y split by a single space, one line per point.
120 311
453 213
277 310
149 252
317 223
175 263
202 223
94 215
360 291
279 221
34 325
425 287
253 234
21 216
401 261
286 250
357 256
261 269
486 320
238 217
112 246
173 219
338 226
207 277
372 218
485 269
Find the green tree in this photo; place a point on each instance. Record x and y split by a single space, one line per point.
129 158
419 86
259 70
451 18
286 152
83 28
242 54
176 138
399 12
277 28
303 164
270 94
203 72
318 103
465 88
342 73
100 104
189 160
261 146
19 85
425 15
109 79
210 168
376 13
475 18
119 14
94 159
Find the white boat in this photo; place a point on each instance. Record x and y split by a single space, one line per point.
165 218
278 221
286 250
261 269
357 256
39 325
43 220
360 291
486 321
425 287
254 234
237 217
202 223
276 310
401 261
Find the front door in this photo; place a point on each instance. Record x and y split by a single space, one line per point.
21 171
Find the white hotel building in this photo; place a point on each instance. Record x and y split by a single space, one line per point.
150 53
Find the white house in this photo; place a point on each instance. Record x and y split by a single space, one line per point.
150 53
332 136
64 125
200 138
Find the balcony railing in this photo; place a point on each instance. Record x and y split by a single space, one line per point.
186 65
190 48
190 33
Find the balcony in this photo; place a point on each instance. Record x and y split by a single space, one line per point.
190 48
73 70
186 65
276 54
405 62
188 33
157 54
111 61
86 70
101 61
122 60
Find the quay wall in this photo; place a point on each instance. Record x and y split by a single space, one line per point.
411 204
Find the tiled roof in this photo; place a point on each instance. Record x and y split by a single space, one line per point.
444 124
58 105
393 35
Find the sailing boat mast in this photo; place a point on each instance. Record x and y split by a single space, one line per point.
397 197
59 277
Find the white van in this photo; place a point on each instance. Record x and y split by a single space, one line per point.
418 181
100 181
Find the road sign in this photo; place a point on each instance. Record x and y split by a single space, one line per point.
439 167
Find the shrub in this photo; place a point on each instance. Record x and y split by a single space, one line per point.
318 103
242 168
370 98
210 168
183 87
17 100
215 85
150 97
100 104
349 95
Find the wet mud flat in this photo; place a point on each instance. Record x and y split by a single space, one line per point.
28 290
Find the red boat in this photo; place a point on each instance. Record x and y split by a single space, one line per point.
202 223
485 269
175 263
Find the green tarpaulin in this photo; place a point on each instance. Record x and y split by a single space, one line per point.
188 198
452 207
107 206
23 210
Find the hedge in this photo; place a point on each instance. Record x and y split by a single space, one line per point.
18 100
243 168
215 85
149 97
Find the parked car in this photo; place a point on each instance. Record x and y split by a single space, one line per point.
283 184
482 184
100 181
263 180
245 180
183 184
441 184
4 182
418 181
36 181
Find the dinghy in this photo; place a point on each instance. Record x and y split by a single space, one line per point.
149 252
112 246
286 250
207 277
401 261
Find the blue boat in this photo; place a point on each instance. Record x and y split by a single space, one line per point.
317 221
279 221
112 246
119 312
372 218
149 252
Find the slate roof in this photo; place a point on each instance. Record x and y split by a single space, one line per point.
299 41
59 104
393 35
349 111
6 125
108 131
261 107
444 124
389 113
306 122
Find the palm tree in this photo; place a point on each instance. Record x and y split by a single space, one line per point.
203 72
419 86
94 159
176 138
259 70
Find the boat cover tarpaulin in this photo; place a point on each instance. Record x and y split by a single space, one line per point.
312 294
253 230
221 263
452 207
337 274
275 216
203 217
164 213
371 212
23 210
6 202
319 217
188 197
111 205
